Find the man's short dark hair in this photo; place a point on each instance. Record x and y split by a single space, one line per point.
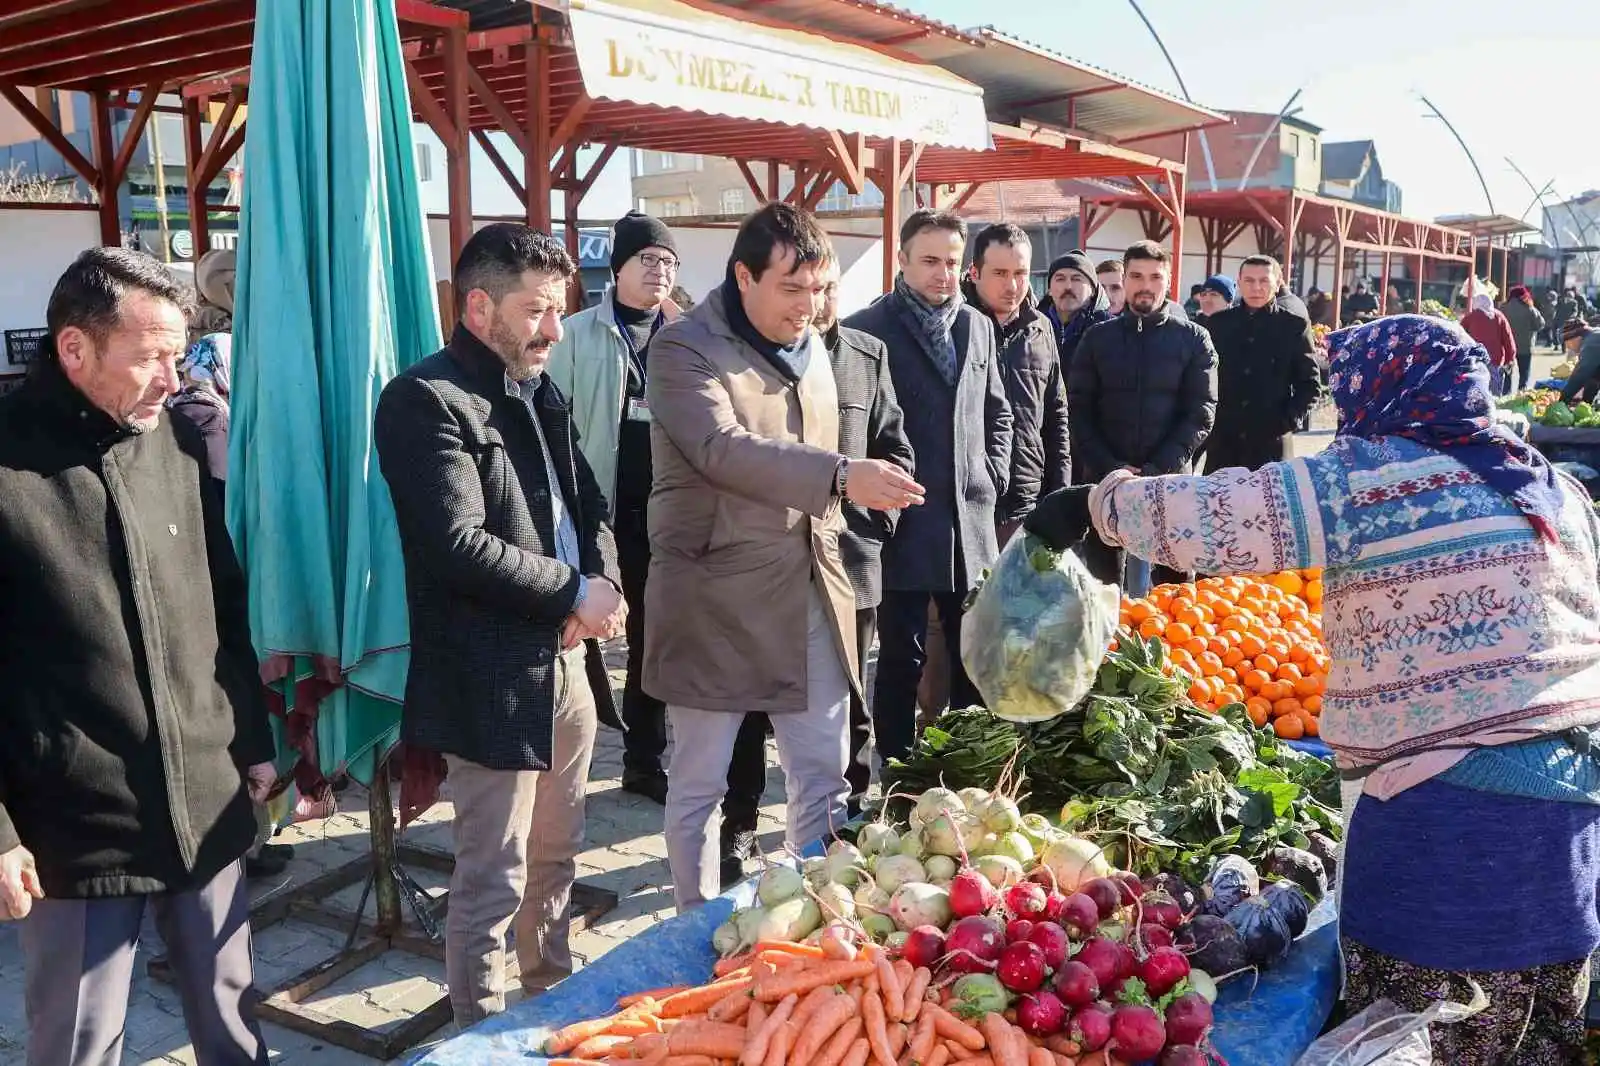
497 256
925 219
89 293
1108 265
766 232
1196 290
1261 261
1005 234
1149 251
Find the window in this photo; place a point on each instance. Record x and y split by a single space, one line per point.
732 202
1294 145
837 199
424 163
1313 150
664 161
669 209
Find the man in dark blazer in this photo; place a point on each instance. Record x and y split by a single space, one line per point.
509 569
947 377
871 426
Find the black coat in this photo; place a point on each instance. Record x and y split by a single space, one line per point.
487 596
1267 381
131 693
1143 391
962 439
1041 446
871 426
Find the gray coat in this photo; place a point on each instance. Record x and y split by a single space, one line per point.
1525 321
962 439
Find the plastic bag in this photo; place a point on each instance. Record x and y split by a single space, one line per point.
1033 637
1385 1035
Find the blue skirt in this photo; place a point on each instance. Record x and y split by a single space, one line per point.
1461 880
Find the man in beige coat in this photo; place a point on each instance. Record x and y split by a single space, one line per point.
748 607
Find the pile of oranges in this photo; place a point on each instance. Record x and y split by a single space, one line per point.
1250 640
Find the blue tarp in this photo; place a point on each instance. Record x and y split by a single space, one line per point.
1263 1023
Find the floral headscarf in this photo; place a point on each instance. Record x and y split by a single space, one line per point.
206 367
1424 379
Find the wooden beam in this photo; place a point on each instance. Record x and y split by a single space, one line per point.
966 196
772 180
130 138
1175 186
458 150
1154 197
819 188
571 122
850 157
427 106
891 213
105 190
225 152
497 107
50 132
586 182
222 127
903 174
199 220
536 114
518 190
750 180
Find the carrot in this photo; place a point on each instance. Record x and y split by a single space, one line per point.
1058 1059
732 963
938 1056
646 1046
877 1030
894 994
922 1039
950 1027
1041 1057
898 1036
703 998
716 1039
903 970
654 993
689 1060
839 1045
812 1000
598 1047
778 1052
1062 1045
790 947
732 1007
755 1052
756 1018
564 1040
916 993
631 1027
775 988
783 960
1002 1041
824 1021
957 1052
858 1054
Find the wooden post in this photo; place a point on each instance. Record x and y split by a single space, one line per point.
536 101
1383 294
199 222
1175 183
458 155
1291 219
890 170
1472 269
1342 231
105 163
380 807
1422 267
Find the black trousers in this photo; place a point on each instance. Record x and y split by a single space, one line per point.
644 715
747 770
1106 563
902 653
1524 369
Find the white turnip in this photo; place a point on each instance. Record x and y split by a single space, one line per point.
878 838
779 883
793 919
1073 861
896 870
932 803
977 994
919 903
1001 871
941 869
725 940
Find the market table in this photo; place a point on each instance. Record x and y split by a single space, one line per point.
1265 1022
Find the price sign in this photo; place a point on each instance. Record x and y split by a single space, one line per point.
22 345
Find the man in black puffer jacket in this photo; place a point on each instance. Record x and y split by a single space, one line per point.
1142 388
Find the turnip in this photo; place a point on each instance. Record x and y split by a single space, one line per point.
974 799
835 937
1183 1055
932 803
1076 984
1106 893
1136 1032
1188 1019
974 944
911 844
1021 967
1018 929
974 837
1090 1028
793 919
815 870
1001 871
941 869
1037 828
1026 899
919 903
725 940
895 942
895 870
870 899
835 901
1080 916
977 994
924 946
1204 984
942 835
971 894
1162 971
1073 861
1041 1014
878 838
748 923
778 883
876 925
844 864
1016 846
1052 940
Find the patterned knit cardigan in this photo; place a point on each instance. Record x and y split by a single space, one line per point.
1449 622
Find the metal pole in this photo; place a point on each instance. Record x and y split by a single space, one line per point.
1205 145
1283 113
1475 168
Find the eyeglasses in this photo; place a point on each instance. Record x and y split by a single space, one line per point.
652 261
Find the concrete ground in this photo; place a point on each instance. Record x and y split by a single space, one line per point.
626 854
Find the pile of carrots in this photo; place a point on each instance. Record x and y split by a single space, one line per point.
1250 640
785 1003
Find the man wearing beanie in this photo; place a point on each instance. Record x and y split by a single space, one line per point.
1077 302
1217 294
601 364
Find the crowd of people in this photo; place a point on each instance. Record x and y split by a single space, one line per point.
756 493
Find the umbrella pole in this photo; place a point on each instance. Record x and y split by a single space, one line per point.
381 808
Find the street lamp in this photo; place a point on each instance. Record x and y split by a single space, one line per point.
1205 145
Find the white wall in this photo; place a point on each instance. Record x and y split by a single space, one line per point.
36 245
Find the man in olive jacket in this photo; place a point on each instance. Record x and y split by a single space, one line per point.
133 729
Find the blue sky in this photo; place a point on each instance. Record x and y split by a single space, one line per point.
1524 87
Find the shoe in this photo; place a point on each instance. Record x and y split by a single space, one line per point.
652 787
737 846
270 861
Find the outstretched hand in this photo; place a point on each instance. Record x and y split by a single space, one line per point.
19 884
1061 518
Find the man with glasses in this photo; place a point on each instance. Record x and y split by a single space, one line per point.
600 363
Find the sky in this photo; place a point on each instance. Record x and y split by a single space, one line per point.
1512 86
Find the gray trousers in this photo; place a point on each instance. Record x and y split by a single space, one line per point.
80 959
813 749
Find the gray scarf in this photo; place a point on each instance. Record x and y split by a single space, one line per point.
931 326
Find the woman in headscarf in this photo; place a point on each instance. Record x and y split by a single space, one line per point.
204 397
1490 328
1462 614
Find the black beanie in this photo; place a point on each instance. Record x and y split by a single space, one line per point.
1075 260
633 233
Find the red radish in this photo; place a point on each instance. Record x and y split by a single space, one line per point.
1113 993
1076 984
1052 940
1052 906
971 894
1026 899
1161 909
1091 1026
1137 1033
924 946
1188 1019
1154 936
1041 1014
973 945
1018 929
1101 956
1081 915
1162 971
1183 1055
1106 893
1127 961
1132 887
1022 967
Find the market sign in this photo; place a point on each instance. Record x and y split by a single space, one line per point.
663 53
22 345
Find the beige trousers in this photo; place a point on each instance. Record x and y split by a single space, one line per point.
517 838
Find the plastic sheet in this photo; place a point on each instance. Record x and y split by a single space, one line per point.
1266 1022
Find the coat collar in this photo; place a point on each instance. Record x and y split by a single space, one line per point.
487 372
60 404
607 308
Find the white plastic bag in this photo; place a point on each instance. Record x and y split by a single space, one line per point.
1385 1035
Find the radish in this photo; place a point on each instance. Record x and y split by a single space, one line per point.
1026 899
1106 893
1136 1032
1053 902
1091 1026
1162 971
974 944
1154 936
1076 984
1018 929
1183 1055
1132 887
1101 956
1162 909
1204 984
1188 1019
1021 967
1052 940
1080 915
1041 1014
971 894
924 946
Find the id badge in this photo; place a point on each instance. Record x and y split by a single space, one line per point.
638 409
